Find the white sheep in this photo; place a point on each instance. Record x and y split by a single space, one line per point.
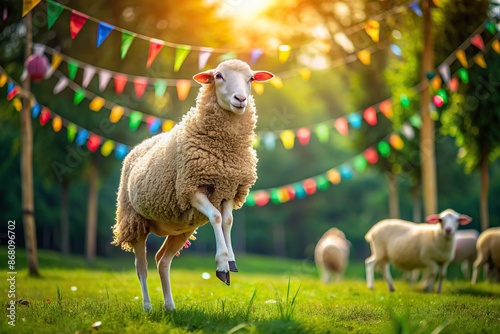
332 254
411 246
488 255
200 171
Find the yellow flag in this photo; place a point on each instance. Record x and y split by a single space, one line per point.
116 114
305 73
462 58
56 60
258 87
57 124
3 79
96 104
168 125
276 82
436 82
284 53
288 139
479 59
18 105
372 29
365 57
496 46
28 5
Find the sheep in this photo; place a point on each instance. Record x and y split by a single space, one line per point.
200 171
488 255
412 246
332 254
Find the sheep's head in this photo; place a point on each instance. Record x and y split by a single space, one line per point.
232 79
449 220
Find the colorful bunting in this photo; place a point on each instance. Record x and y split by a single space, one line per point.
88 74
181 53
154 48
54 10
93 142
477 41
453 84
71 132
28 5
371 156
107 147
56 60
160 87
303 135
104 77
341 126
355 120
78 97
464 75
120 82
97 103
444 70
103 31
372 29
81 137
370 116
57 123
416 8
462 58
496 46
116 114
72 69
364 56
135 119
203 57
60 85
140 85
127 39
322 132
255 55
479 60
396 50
44 116
258 87
183 87
35 110
76 23
305 73
287 138
284 53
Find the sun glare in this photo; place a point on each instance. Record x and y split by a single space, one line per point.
243 9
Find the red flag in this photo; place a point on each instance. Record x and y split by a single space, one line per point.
120 82
154 48
76 22
140 84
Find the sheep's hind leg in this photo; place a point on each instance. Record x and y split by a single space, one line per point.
227 224
141 266
202 204
388 277
370 271
164 257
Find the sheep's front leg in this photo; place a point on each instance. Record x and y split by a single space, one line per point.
141 266
164 257
442 276
202 204
432 270
227 224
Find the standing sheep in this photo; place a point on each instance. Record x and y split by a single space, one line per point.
200 171
488 255
465 250
332 254
412 246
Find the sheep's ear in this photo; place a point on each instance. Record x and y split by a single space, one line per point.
464 220
262 76
204 77
433 219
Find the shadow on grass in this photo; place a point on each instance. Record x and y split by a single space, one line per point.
474 291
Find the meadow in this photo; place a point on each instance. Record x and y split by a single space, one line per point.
268 295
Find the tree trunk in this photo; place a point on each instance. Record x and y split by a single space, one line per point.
393 195
92 214
485 216
65 246
28 204
427 154
417 204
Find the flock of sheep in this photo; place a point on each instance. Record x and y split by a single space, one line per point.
202 169
413 247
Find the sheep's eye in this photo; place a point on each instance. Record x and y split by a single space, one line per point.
251 79
219 76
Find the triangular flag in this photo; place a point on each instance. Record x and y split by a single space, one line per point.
28 5
154 48
372 28
3 79
386 108
88 74
160 87
276 82
287 138
116 114
18 105
127 38
479 59
364 56
341 126
258 87
71 132
305 73
284 53
56 60
444 70
104 77
407 130
462 58
38 49
203 58
396 50
103 31
436 82
120 82
453 84
370 116
496 46
490 26
72 69
76 22
79 96
61 84
415 7
181 53
255 55
54 10
477 41
183 87
97 103
140 84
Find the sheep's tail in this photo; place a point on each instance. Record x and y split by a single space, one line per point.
369 236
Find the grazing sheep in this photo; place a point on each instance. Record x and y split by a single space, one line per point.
412 246
200 171
332 254
488 255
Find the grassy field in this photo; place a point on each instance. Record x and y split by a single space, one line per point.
268 295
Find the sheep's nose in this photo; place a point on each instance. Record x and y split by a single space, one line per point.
240 98
447 230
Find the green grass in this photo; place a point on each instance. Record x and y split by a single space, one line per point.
268 295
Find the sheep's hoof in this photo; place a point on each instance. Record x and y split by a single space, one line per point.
223 276
232 266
